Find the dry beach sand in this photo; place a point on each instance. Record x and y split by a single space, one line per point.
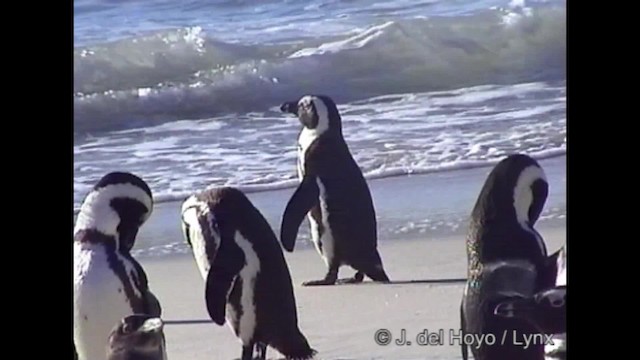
339 321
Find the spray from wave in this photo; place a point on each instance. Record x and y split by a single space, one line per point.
183 74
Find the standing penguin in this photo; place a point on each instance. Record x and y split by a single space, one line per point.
109 283
501 236
247 278
334 194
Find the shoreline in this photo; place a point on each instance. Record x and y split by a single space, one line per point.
428 206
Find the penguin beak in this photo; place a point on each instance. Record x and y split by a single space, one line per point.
515 307
290 108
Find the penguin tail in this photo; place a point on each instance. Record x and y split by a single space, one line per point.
378 274
296 348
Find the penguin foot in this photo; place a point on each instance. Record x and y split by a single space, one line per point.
322 282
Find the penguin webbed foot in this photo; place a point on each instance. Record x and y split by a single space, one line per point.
329 279
322 282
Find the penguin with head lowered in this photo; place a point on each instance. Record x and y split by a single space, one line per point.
507 259
109 283
333 193
246 276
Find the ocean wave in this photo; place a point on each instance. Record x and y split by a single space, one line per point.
184 74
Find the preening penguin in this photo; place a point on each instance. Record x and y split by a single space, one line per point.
333 193
247 278
502 236
137 337
109 283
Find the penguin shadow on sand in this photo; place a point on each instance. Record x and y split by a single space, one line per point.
109 284
513 286
333 194
247 280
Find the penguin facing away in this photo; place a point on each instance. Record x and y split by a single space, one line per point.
137 337
247 279
502 236
109 283
333 194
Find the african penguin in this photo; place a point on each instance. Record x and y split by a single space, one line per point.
246 276
137 337
109 283
501 232
333 193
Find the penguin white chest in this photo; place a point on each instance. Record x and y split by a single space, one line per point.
323 242
306 138
99 302
241 317
244 322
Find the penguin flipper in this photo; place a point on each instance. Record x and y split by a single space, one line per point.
220 278
303 199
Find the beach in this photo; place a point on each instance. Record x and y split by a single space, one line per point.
340 321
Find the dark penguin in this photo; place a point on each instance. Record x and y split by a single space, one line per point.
247 278
109 283
501 236
137 337
334 194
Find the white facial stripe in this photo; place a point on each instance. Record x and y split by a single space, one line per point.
523 198
191 209
522 194
96 212
249 272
